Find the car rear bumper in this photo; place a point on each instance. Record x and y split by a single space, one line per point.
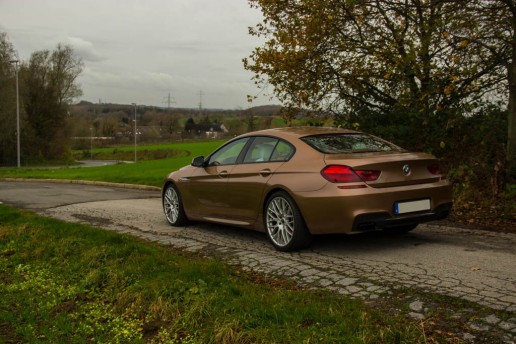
332 210
372 221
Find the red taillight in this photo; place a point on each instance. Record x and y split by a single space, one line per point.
435 169
340 174
345 174
368 175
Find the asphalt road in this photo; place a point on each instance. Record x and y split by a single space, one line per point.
472 265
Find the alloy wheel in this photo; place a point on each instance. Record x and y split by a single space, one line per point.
280 221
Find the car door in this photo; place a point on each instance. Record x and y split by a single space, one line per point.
208 184
247 181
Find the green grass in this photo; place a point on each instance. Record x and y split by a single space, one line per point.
189 146
149 172
70 283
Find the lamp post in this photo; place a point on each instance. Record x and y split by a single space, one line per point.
17 114
91 143
134 104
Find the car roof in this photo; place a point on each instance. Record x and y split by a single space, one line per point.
297 132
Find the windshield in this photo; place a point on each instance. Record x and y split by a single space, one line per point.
349 143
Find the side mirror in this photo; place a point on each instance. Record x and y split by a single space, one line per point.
198 161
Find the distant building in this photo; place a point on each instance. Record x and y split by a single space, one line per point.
210 130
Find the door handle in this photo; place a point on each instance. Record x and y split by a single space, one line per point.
265 173
223 174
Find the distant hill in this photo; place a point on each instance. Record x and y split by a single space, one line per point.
104 108
265 110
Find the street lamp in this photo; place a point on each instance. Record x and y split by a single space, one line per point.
17 114
134 104
91 143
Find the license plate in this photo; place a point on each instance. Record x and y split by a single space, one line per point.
411 207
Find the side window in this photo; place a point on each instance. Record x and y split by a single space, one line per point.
260 150
228 154
283 152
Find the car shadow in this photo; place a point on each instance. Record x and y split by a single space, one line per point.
355 242
369 241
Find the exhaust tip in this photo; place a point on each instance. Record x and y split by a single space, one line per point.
366 226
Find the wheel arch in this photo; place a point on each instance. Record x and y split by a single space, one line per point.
165 185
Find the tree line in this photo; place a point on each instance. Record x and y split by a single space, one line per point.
47 86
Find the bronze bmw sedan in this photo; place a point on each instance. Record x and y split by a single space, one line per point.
293 183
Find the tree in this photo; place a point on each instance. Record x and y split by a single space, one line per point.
511 73
499 18
412 60
494 31
7 101
50 85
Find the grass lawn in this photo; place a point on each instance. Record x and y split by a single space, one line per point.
148 172
70 283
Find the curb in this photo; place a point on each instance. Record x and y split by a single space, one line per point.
84 182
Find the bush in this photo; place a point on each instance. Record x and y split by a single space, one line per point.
471 147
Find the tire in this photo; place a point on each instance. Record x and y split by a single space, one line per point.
401 229
173 206
284 224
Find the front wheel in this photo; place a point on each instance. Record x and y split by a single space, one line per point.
173 206
284 224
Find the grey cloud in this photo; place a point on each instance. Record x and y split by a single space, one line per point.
85 49
139 51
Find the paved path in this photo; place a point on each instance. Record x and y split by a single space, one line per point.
473 265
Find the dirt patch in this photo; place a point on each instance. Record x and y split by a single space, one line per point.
479 218
94 220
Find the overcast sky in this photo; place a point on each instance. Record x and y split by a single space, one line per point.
140 51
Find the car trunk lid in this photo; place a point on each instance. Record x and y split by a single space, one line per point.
396 169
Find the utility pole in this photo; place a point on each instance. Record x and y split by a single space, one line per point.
169 100
170 120
200 102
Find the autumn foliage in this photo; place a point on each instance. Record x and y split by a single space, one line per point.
429 75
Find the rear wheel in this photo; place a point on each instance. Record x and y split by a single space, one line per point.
284 224
173 206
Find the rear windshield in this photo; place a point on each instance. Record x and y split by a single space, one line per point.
349 143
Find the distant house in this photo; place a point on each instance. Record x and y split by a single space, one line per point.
149 131
141 131
210 130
